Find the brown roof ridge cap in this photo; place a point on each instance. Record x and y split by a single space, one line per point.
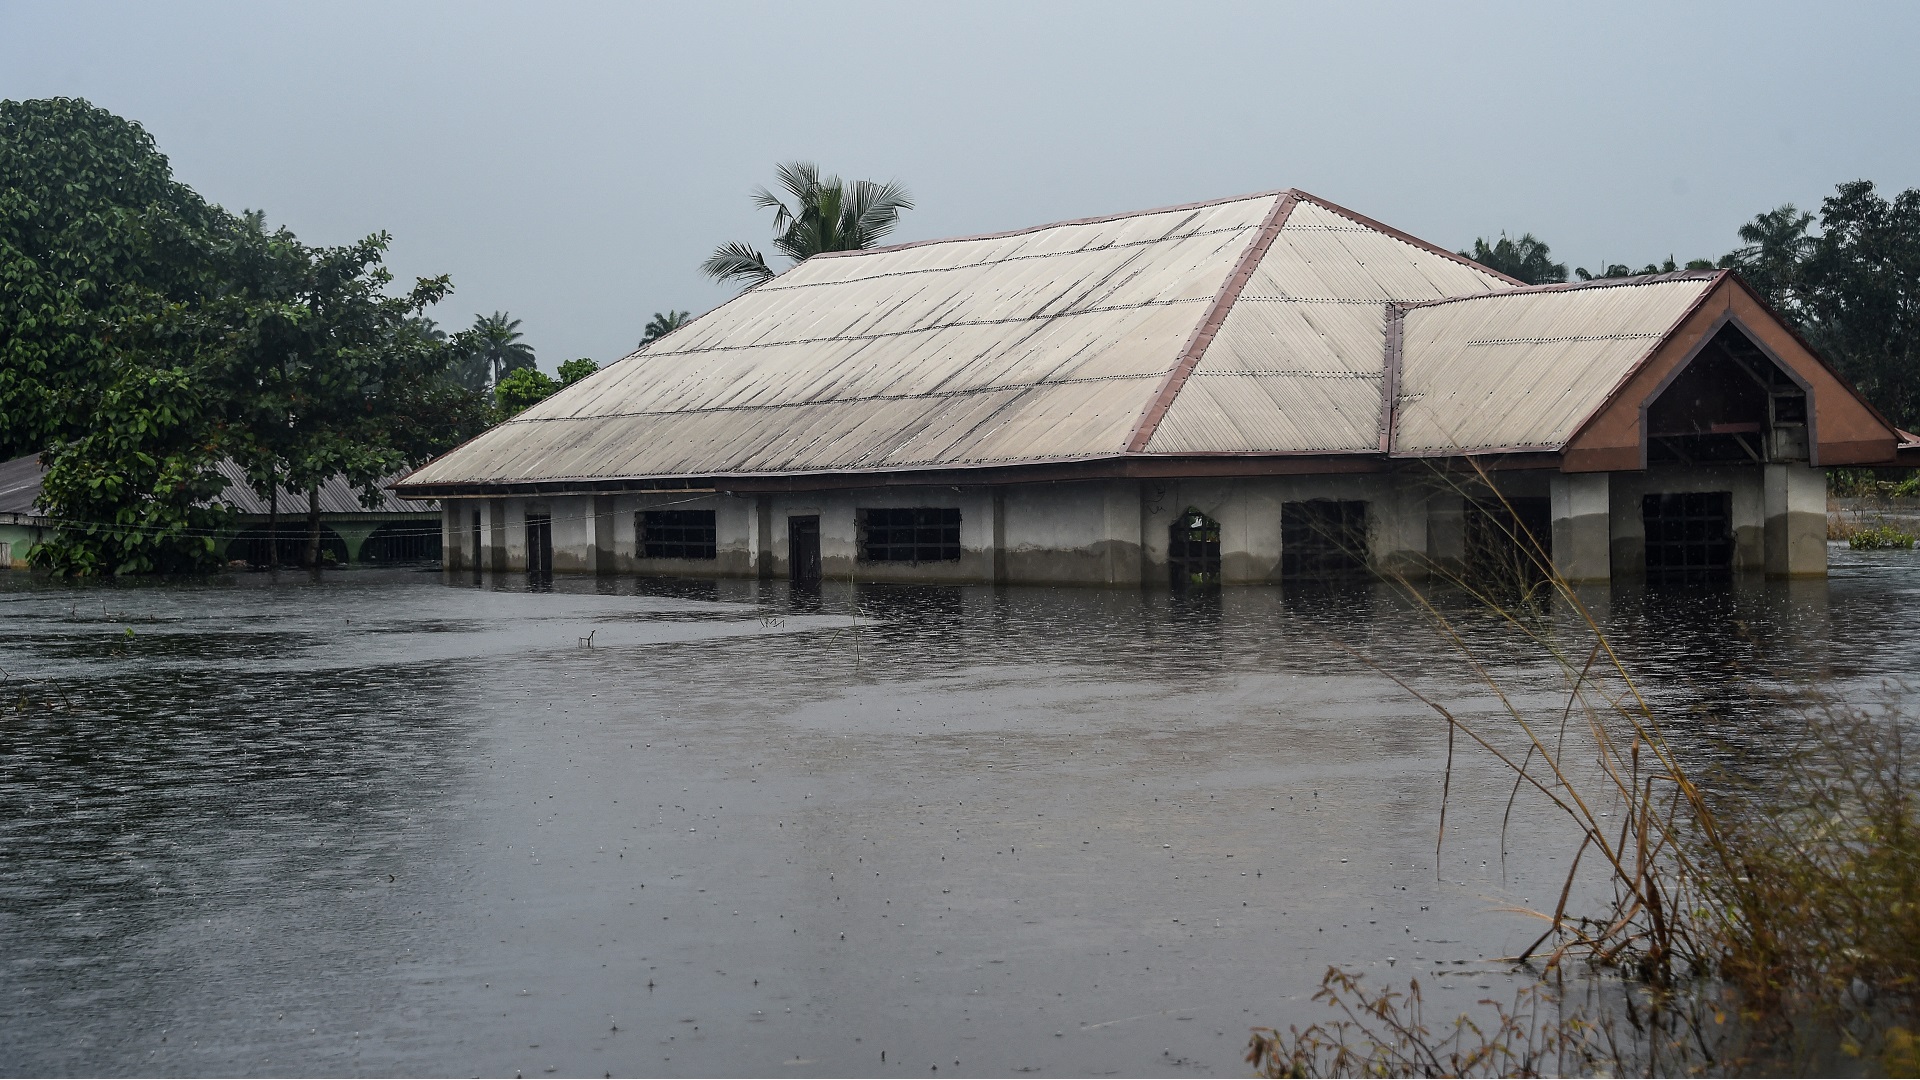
1177 207
1570 286
1401 235
1203 332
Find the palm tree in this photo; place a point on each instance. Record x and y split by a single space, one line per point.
662 324
500 345
828 214
1526 258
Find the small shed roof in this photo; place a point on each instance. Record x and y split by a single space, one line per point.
20 490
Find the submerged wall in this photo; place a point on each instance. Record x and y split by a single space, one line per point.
1118 532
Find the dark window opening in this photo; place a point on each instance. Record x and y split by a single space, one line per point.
540 545
1731 404
914 534
803 550
1509 542
1689 536
1323 539
402 542
677 534
476 550
1193 550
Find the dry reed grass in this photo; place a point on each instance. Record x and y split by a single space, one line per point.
1769 925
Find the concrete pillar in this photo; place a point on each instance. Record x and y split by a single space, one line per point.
1447 532
604 524
1582 533
493 533
1796 527
450 535
763 537
999 504
1398 544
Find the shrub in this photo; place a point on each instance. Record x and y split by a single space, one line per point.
1878 537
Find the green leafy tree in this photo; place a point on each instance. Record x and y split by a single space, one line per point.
664 323
144 334
498 343
1859 294
343 378
1852 287
826 214
521 389
574 370
110 331
1527 259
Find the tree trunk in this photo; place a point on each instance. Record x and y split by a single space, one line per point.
313 528
273 521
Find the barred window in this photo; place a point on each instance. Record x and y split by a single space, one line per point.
1323 539
677 534
911 535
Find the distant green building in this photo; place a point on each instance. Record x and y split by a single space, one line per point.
397 530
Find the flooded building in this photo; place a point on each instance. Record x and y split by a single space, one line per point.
1247 390
393 530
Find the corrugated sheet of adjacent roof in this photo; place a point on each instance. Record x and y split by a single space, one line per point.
20 489
1042 345
1298 363
1523 369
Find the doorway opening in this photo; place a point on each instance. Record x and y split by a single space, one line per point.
803 549
540 546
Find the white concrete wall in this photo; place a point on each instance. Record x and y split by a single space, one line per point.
839 532
1115 532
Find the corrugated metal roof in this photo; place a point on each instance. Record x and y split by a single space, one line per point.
1040 345
20 489
1249 325
1524 369
1298 364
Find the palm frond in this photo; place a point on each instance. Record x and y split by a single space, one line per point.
737 261
767 200
874 209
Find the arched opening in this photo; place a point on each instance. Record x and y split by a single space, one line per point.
403 542
286 546
1193 551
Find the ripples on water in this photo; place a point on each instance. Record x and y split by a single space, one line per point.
390 824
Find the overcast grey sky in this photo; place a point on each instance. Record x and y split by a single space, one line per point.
574 163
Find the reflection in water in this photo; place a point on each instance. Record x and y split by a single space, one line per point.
395 823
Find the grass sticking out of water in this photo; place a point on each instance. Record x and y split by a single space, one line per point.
1755 925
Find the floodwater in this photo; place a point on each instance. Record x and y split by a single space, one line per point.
395 823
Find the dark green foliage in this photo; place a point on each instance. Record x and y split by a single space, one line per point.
662 324
1526 259
521 389
828 214
145 333
574 370
110 327
1854 289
